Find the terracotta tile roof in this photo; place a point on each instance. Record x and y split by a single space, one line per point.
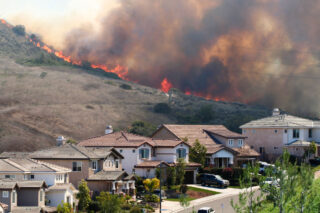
108 175
14 154
246 151
70 151
62 186
10 184
124 139
190 164
150 164
7 184
4 206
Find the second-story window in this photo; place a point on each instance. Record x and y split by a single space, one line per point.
240 142
77 166
144 153
94 165
310 133
230 142
181 153
295 133
117 163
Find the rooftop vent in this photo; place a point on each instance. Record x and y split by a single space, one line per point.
61 140
275 112
108 130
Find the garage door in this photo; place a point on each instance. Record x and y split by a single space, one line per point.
188 177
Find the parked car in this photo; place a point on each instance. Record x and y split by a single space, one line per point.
263 166
216 180
206 210
272 181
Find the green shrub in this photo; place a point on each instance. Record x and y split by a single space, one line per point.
135 209
126 206
162 108
94 206
142 128
152 198
125 86
183 188
43 75
19 30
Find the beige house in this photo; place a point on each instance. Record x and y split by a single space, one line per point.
270 135
22 196
143 155
224 147
101 168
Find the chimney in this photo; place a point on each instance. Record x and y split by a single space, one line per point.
275 112
108 130
61 140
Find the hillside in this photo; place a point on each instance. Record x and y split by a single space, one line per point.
42 101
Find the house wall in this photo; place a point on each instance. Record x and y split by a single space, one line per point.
8 200
74 177
58 196
146 172
163 133
272 139
99 185
169 155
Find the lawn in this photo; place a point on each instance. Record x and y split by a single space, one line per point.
195 193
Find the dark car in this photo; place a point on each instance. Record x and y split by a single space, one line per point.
216 180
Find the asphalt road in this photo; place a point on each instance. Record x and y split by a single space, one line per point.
220 206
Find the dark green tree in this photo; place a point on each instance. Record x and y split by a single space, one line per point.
84 195
110 203
162 108
19 30
198 153
180 171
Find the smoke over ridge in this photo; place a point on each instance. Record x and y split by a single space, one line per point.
252 51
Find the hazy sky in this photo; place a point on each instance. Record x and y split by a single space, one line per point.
55 17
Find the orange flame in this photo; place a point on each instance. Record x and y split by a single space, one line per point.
165 85
46 48
121 71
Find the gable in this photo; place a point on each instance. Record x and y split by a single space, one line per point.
164 133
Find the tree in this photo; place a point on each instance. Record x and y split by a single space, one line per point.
313 199
171 176
151 184
249 200
180 171
142 128
312 149
184 201
19 30
64 208
198 153
84 195
110 203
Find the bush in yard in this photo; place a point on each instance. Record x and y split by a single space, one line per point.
180 170
94 206
183 188
126 206
110 203
64 208
171 177
135 209
152 198
151 184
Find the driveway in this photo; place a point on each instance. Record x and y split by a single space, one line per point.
220 202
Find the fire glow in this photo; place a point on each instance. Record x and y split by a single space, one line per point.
165 85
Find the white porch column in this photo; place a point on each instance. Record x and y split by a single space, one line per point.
113 186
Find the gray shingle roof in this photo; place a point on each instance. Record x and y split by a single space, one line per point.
10 184
4 184
108 175
70 151
26 165
280 121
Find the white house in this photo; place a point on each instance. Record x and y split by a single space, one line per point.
272 134
142 155
56 178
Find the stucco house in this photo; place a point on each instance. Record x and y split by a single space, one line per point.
55 177
101 168
143 154
270 135
224 147
23 195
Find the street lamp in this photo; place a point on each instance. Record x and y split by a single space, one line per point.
161 165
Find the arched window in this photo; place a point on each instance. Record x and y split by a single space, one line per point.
181 153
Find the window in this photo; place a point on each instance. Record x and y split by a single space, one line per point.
230 142
240 142
310 133
31 177
295 133
94 165
76 166
297 149
59 177
13 197
243 131
181 153
144 153
261 150
41 195
9 176
253 131
5 194
208 162
275 148
276 131
120 150
133 151
117 163
25 177
285 131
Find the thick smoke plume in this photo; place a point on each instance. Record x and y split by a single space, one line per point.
252 51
